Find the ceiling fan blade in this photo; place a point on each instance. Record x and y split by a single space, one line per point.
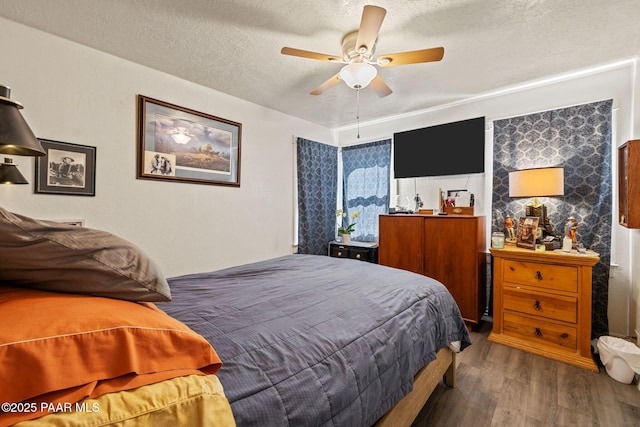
308 54
380 87
412 57
326 85
372 17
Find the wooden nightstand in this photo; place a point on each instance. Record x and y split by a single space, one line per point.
364 251
542 303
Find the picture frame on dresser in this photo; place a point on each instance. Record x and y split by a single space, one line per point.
66 168
527 229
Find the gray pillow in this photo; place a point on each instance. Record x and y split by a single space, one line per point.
52 256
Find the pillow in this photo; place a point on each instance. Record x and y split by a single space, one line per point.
57 347
58 257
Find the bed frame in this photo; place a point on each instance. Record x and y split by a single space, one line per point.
405 411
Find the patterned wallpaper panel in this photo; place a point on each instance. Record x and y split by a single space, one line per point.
317 194
579 139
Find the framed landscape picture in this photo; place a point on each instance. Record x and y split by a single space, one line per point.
527 231
66 168
179 144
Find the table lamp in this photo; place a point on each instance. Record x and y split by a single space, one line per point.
537 182
9 173
16 138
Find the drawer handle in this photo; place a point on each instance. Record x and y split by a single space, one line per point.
537 332
339 253
538 275
537 306
358 256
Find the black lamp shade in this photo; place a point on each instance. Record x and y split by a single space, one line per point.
15 135
9 173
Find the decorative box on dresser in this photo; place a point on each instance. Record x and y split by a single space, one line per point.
448 248
542 303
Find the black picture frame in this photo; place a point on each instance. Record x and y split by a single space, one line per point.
183 145
66 168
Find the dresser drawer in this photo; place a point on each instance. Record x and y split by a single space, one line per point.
339 251
362 254
547 276
537 330
555 307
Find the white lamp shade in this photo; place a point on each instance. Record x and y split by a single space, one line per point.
358 75
539 182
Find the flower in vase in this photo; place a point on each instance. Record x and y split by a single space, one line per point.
350 227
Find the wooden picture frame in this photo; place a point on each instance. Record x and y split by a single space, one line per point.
527 231
66 168
183 145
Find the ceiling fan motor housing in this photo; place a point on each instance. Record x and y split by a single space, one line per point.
350 51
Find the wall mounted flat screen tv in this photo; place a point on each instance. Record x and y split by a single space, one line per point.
449 149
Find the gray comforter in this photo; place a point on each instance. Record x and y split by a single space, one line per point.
310 340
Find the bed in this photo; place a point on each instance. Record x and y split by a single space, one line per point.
82 342
313 340
72 359
296 340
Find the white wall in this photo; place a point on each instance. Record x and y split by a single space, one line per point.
75 94
611 81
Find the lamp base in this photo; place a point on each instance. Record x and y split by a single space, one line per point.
541 212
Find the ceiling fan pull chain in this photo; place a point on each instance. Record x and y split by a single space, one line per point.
358 110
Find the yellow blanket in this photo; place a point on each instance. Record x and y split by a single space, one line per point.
194 400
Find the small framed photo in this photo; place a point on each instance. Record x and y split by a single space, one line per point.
66 168
527 231
182 145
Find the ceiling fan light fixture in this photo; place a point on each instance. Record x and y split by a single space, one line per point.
358 75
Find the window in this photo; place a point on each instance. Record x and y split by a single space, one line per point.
365 185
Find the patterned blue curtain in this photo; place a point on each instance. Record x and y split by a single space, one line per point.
579 139
317 195
365 185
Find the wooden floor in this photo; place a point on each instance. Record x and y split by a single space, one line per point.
501 386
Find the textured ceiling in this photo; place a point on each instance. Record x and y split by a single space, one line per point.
234 45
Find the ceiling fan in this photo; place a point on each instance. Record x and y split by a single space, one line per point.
357 53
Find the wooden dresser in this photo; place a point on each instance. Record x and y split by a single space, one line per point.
448 248
542 303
